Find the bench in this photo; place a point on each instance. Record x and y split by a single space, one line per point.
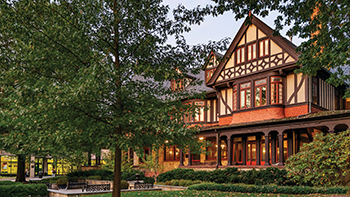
142 185
76 184
96 187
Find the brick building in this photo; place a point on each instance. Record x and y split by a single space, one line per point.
260 111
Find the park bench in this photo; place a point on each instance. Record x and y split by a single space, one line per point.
76 183
96 187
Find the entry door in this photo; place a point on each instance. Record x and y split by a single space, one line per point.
251 153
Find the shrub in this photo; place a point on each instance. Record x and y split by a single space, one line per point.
124 184
9 183
20 190
97 177
322 162
62 181
269 189
148 180
105 174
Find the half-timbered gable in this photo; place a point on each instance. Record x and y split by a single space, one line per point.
253 50
211 65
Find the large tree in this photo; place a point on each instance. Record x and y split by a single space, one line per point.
96 72
324 24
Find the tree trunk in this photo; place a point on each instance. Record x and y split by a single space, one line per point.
21 162
117 171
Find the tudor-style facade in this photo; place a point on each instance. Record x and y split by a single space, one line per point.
260 112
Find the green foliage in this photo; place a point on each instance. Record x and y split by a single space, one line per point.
124 184
181 182
62 181
8 183
151 163
269 189
131 175
323 162
96 177
20 190
104 174
148 180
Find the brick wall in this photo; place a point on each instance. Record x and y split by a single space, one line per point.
258 115
225 120
296 111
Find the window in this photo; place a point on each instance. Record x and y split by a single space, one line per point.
235 97
264 48
209 74
347 103
276 90
199 117
171 153
245 95
260 92
176 85
315 90
237 150
213 150
251 51
146 152
240 55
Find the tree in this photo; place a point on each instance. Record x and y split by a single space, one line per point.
322 162
324 24
96 70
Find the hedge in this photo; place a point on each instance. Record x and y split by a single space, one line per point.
269 189
181 182
105 174
20 190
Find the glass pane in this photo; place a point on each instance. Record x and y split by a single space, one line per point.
266 47
242 99
254 51
249 153
235 152
273 94
263 95
249 52
263 151
248 99
237 139
243 55
261 48
285 149
223 149
253 152
280 93
238 56
235 101
251 138
169 153
239 148
257 97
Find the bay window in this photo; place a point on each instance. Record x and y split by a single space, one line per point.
276 90
245 95
260 92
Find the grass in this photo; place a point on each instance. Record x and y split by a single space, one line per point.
188 193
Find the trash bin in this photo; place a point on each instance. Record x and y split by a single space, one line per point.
41 174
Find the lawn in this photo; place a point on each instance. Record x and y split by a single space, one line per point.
191 193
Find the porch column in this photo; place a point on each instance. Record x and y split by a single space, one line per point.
32 167
267 150
280 143
229 150
258 138
45 166
273 148
181 158
189 158
218 150
244 150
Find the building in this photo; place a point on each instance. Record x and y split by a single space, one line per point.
260 111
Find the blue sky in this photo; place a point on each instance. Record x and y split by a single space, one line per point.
217 28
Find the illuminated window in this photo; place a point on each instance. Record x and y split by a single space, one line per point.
251 51
212 150
264 48
276 90
171 153
245 95
260 92
240 55
237 150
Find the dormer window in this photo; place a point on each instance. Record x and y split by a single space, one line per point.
176 85
240 55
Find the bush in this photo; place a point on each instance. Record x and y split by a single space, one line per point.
104 174
181 182
322 162
124 184
20 190
269 189
62 181
9 183
127 175
148 180
97 177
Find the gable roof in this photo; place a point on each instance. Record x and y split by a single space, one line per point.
212 53
279 40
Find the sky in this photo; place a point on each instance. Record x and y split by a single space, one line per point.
217 28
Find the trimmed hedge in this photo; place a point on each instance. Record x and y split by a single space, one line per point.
105 174
181 182
230 175
269 189
9 183
20 190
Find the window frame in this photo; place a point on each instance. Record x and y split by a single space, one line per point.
241 55
251 52
265 49
260 86
278 90
315 90
174 149
245 89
